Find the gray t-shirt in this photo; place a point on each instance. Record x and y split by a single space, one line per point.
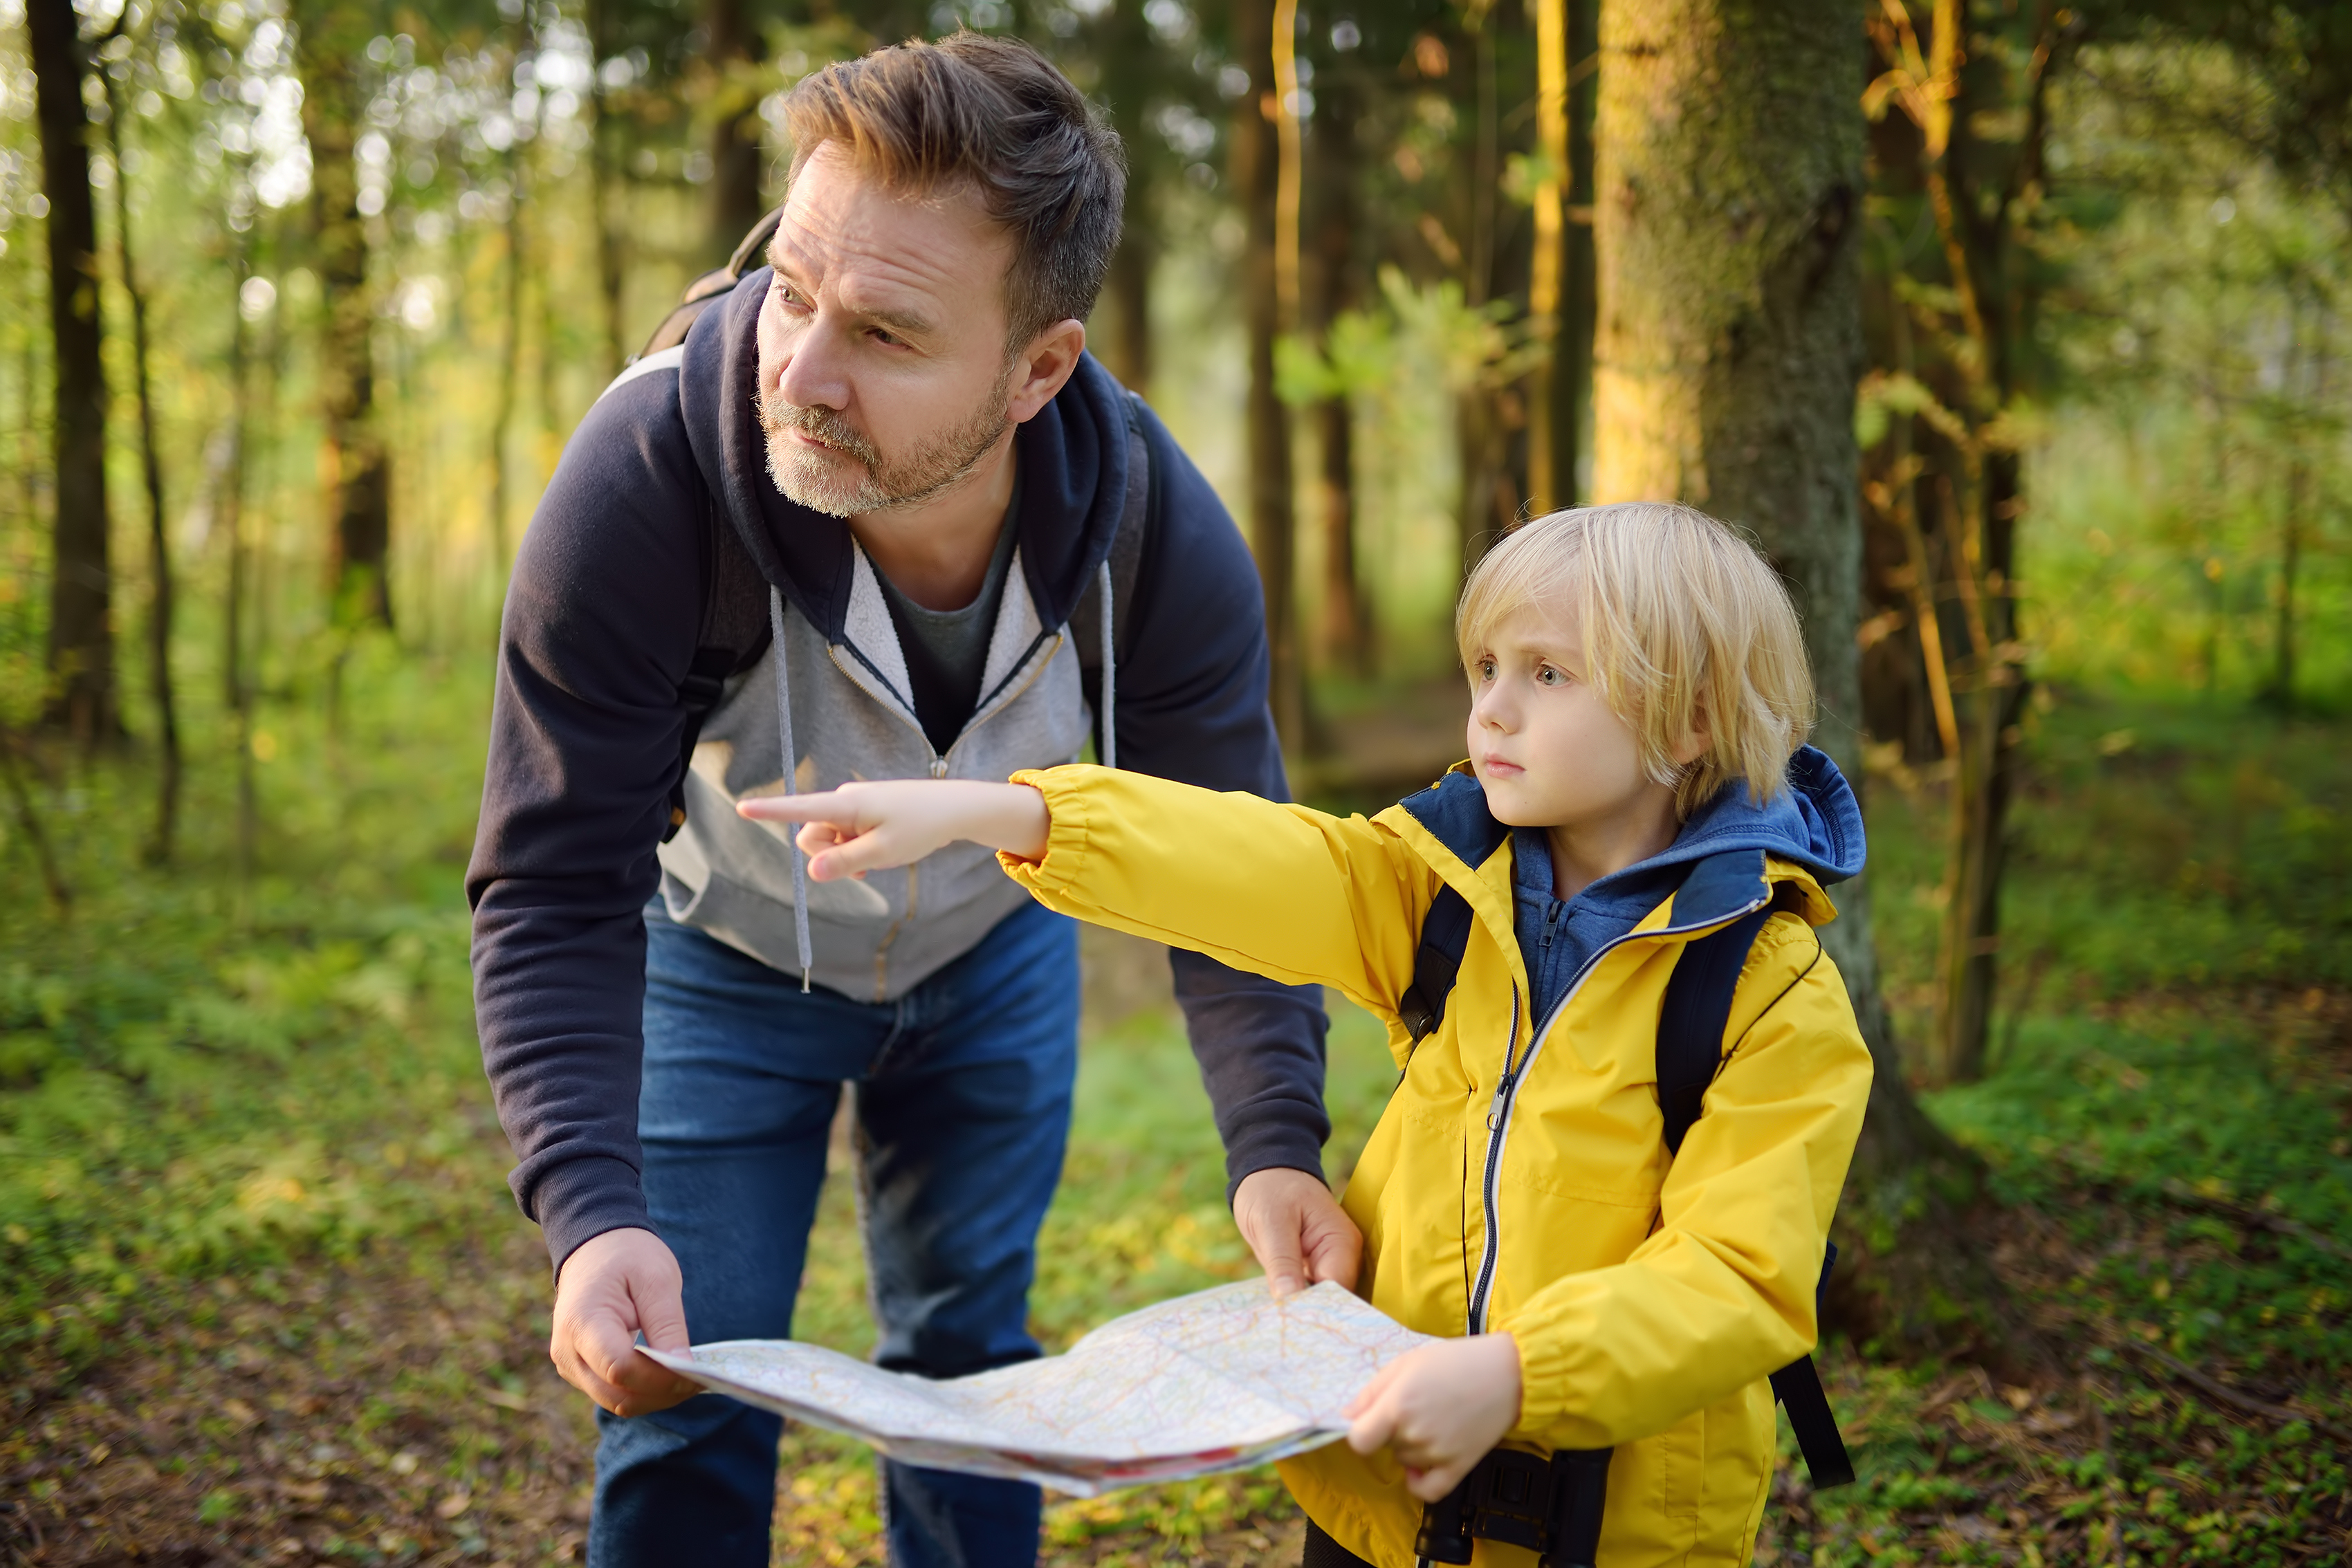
947 650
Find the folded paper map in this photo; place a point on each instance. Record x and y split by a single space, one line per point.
1217 1381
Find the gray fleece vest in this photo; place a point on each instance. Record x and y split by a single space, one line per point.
850 716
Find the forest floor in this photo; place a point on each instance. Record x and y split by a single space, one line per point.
266 1299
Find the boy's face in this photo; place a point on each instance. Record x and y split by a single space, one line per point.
1548 749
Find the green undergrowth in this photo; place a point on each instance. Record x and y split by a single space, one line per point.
204 1072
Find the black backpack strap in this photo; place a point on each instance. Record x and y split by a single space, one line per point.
1798 1387
1445 937
734 626
732 632
1691 1025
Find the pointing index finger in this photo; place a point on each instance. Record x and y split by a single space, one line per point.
826 806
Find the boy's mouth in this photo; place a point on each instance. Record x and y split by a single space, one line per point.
1496 767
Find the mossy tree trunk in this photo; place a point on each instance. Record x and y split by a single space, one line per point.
81 637
331 40
1728 228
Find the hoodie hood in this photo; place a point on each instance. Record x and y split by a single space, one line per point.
1716 865
1073 458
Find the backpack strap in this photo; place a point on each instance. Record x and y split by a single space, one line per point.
1691 1025
732 632
710 288
733 628
1445 937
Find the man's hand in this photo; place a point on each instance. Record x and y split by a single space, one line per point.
891 822
1440 1407
612 1287
1300 1234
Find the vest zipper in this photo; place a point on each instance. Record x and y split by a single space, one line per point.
1516 1069
1006 695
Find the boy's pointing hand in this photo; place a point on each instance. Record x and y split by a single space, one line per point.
1441 1407
891 822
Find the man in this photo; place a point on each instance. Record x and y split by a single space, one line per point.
883 494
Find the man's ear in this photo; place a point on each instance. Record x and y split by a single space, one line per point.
1044 368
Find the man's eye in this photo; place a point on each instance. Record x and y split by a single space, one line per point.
791 297
884 335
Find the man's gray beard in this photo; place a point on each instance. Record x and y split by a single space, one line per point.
816 480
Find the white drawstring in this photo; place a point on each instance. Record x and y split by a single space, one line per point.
791 784
1110 676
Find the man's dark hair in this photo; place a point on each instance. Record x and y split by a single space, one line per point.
994 115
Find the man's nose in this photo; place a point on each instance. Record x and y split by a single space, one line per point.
816 370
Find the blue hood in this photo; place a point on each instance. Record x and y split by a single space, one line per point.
1716 862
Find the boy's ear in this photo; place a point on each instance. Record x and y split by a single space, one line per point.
1697 740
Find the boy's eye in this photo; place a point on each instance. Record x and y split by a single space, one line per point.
1486 669
1550 676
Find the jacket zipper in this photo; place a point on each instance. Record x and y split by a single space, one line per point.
1506 1088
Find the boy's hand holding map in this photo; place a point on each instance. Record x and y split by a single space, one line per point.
1221 1380
1440 1407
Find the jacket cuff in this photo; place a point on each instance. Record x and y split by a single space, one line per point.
1269 1146
1544 1375
1065 836
581 1199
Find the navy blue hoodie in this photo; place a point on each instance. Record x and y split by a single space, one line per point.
602 622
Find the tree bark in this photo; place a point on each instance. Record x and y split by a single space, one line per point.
1272 523
737 201
331 35
159 546
81 639
602 174
1346 634
1485 503
1547 270
1727 239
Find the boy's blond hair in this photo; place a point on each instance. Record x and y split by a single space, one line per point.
1683 621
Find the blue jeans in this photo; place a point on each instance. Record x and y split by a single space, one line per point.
964 1110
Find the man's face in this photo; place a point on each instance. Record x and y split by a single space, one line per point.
884 371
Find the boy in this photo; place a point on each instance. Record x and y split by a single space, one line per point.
1637 779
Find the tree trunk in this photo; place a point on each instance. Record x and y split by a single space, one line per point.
159 547
509 365
1548 271
1127 347
1728 238
237 673
603 174
1347 635
736 201
81 639
1272 527
1482 508
331 39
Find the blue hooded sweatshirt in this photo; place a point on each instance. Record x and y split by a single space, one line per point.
1815 821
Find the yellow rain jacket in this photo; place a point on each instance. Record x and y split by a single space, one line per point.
1651 1296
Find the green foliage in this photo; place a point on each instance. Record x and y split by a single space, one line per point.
201 1077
